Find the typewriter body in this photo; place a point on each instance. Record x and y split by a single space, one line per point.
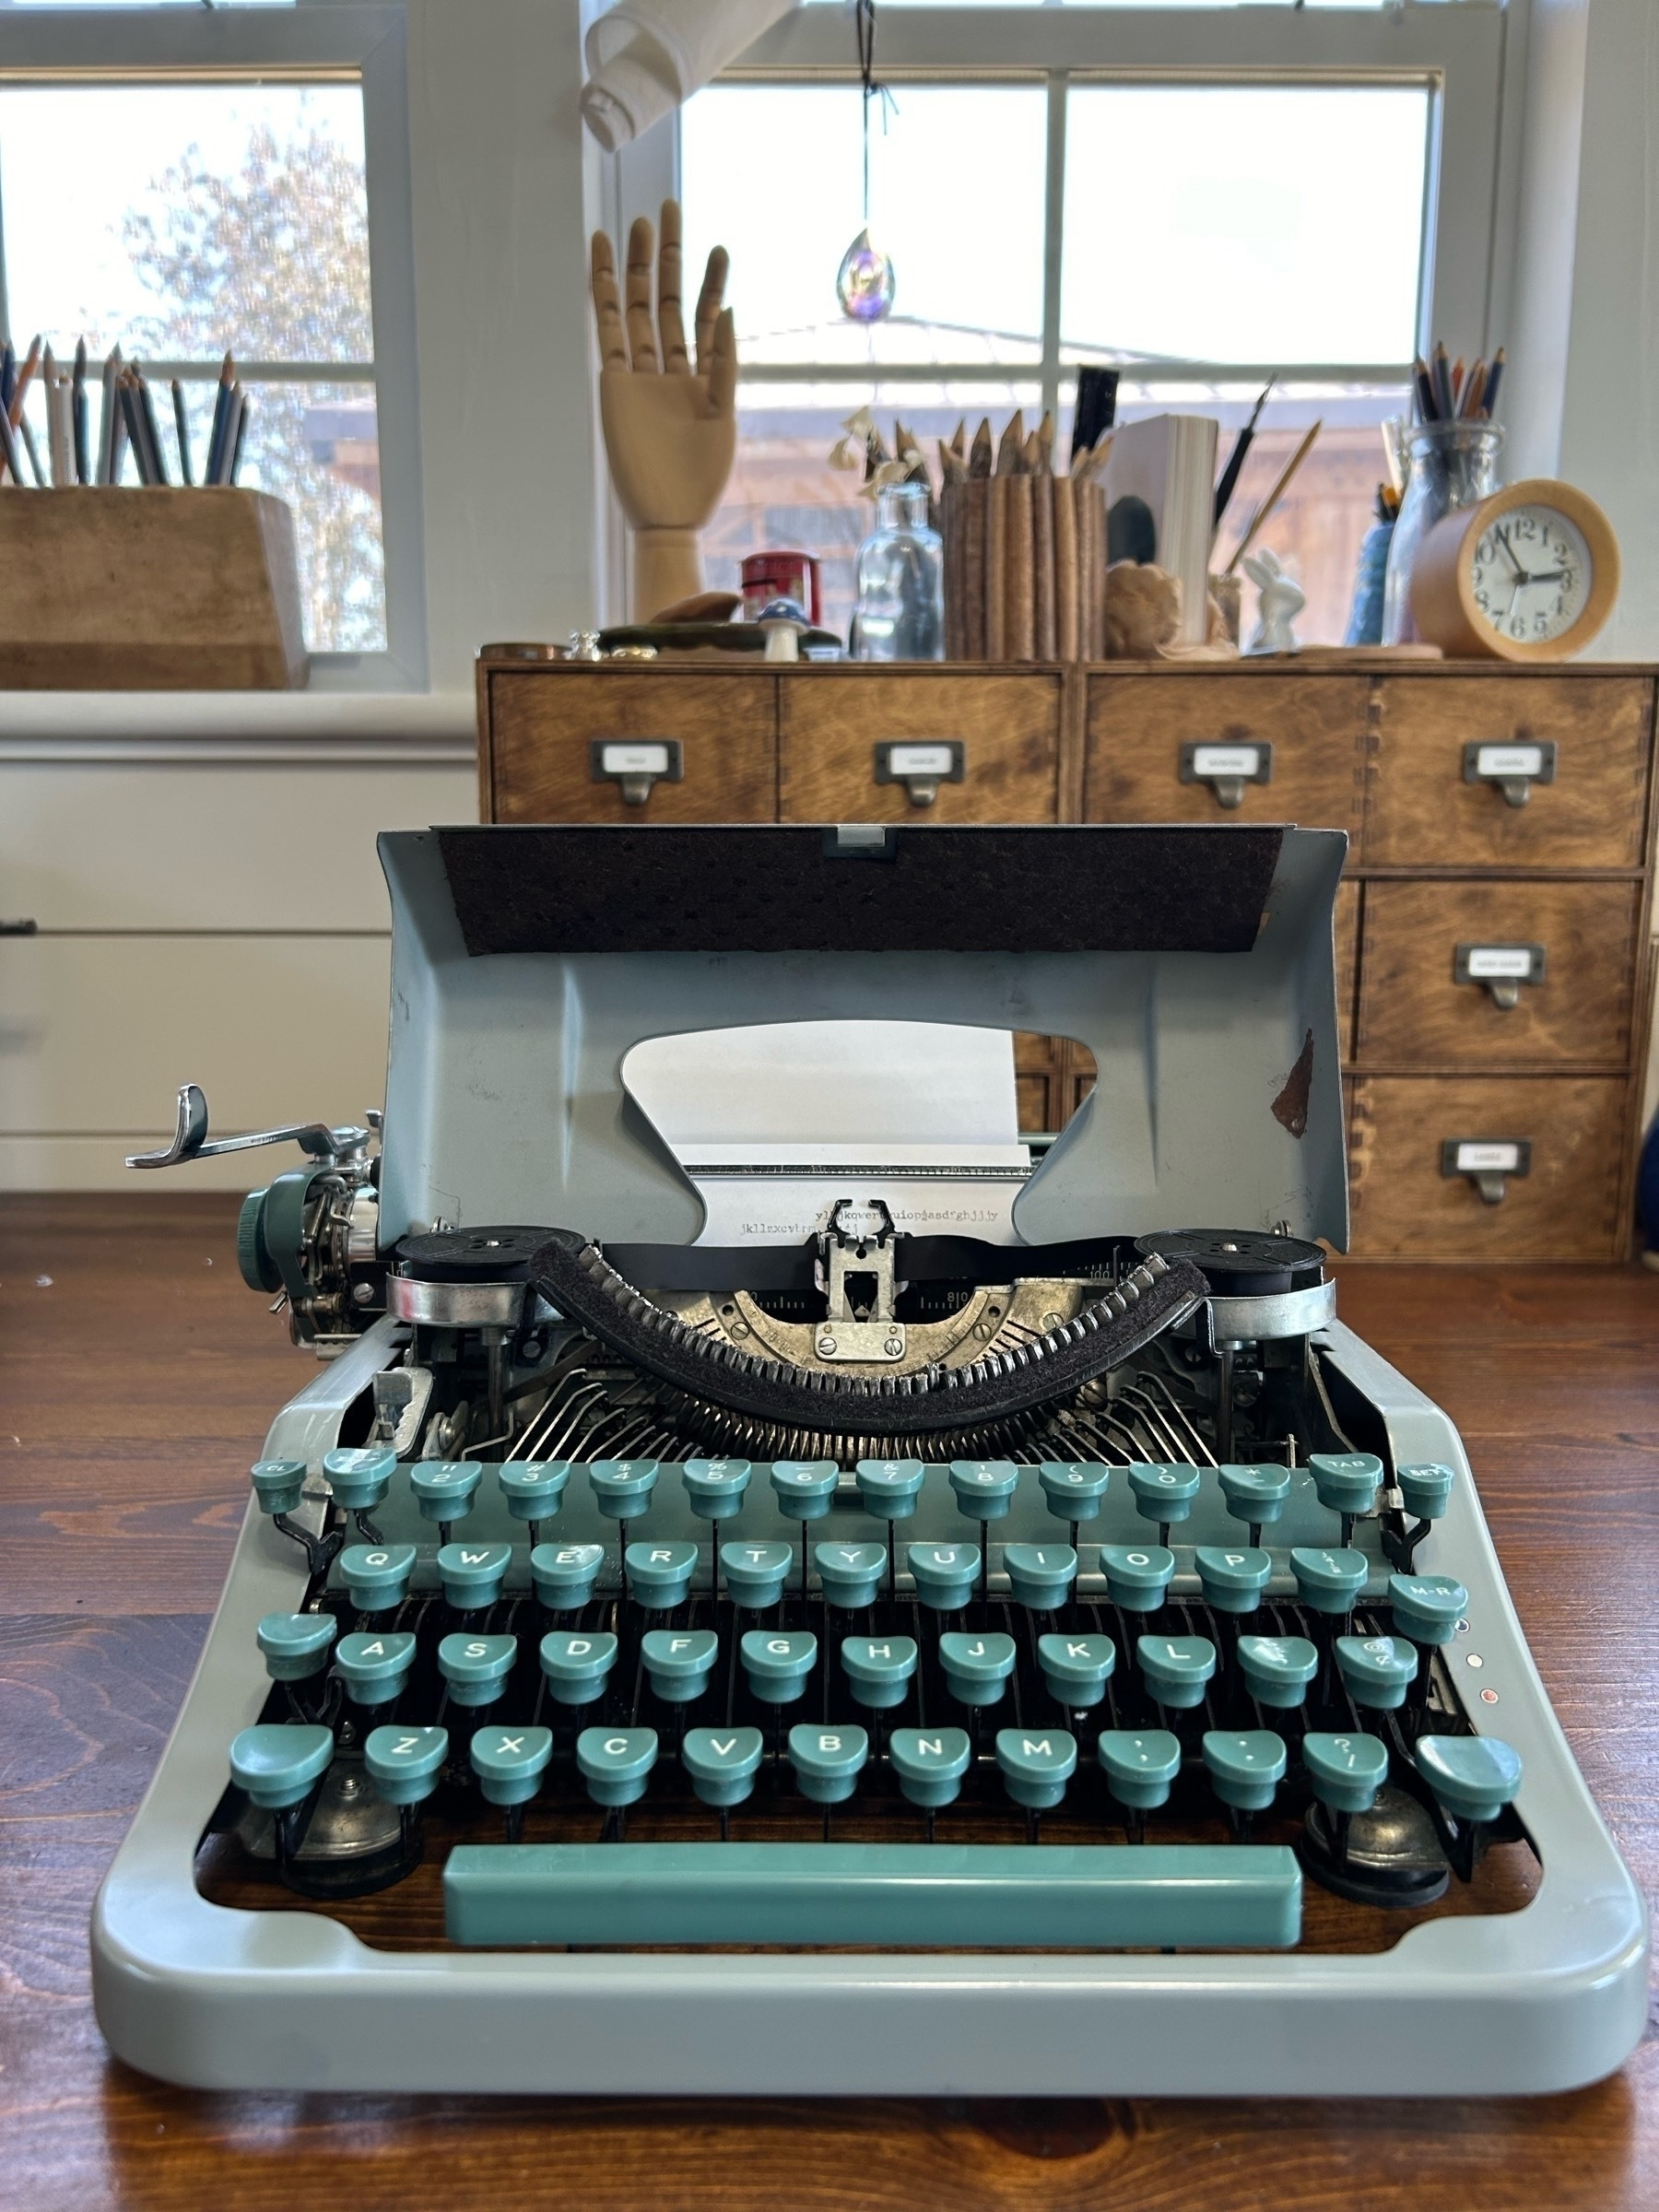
1063 1661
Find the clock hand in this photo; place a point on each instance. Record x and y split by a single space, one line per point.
1502 537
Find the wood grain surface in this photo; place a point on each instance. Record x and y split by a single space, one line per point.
1010 727
136 1378
1419 813
1414 1014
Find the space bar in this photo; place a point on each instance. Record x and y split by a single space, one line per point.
958 1897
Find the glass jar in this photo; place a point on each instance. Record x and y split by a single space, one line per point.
900 611
1450 465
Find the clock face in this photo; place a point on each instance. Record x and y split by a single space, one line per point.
1531 574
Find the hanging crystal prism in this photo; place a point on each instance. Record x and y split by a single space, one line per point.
865 282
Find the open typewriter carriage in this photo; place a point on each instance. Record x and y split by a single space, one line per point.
515 1281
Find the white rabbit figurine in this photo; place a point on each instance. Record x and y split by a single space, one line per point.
1280 602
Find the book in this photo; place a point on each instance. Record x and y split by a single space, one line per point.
1168 464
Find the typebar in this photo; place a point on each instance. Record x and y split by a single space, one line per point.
960 1897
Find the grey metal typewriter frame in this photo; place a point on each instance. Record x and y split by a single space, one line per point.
1543 1999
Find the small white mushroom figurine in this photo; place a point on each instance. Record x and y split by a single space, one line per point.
1280 602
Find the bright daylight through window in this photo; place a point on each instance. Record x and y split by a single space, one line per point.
179 221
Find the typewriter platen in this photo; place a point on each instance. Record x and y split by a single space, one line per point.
881 1662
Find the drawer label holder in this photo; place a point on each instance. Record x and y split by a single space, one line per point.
1487 1161
1227 768
1500 970
1513 768
921 766
636 763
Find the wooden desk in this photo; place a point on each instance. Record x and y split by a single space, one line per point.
136 1378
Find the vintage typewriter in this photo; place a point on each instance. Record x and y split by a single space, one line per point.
1062 1661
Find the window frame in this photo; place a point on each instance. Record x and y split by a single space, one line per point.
1456 48
325 41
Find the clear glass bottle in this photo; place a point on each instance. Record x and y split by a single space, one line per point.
900 611
1450 465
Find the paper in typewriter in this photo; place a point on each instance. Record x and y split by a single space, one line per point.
774 1123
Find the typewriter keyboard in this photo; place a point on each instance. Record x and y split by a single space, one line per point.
976 1704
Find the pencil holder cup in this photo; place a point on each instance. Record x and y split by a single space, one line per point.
1450 466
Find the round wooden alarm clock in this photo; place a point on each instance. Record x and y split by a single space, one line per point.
1529 574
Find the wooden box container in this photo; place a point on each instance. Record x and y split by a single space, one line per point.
151 588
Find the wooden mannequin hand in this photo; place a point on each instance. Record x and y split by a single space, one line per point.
670 429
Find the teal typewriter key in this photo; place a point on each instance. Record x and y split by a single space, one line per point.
723 1763
1040 1575
533 1488
679 1662
985 1488
359 1479
889 1487
295 1644
1255 1494
755 1574
278 1484
1329 1582
614 1762
374 1668
622 1488
446 1488
1137 1575
1346 1482
659 1575
1176 1669
1426 1607
849 1573
777 1662
278 1761
879 1669
1036 1765
475 1668
510 1762
1376 1670
1245 1766
827 1761
1072 1488
377 1575
1139 1766
1277 1669
804 1489
472 1575
1075 1670
715 1487
1164 1494
930 1764
1232 1580
1426 1490
405 1763
578 1666
563 1574
944 1574
1474 1777
976 1667
1345 1773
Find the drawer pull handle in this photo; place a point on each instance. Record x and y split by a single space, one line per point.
1515 769
922 768
1500 970
1226 769
1487 1161
636 763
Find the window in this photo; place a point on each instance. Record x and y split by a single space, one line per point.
1193 220
182 212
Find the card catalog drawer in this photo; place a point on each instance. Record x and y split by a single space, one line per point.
1189 747
608 745
1496 974
1509 771
918 747
1474 1168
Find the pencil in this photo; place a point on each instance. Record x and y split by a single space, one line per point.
1422 384
31 361
1494 378
244 408
1439 370
181 425
83 458
233 408
8 448
1273 498
33 451
216 435
152 430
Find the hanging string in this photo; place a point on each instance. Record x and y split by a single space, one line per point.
864 23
